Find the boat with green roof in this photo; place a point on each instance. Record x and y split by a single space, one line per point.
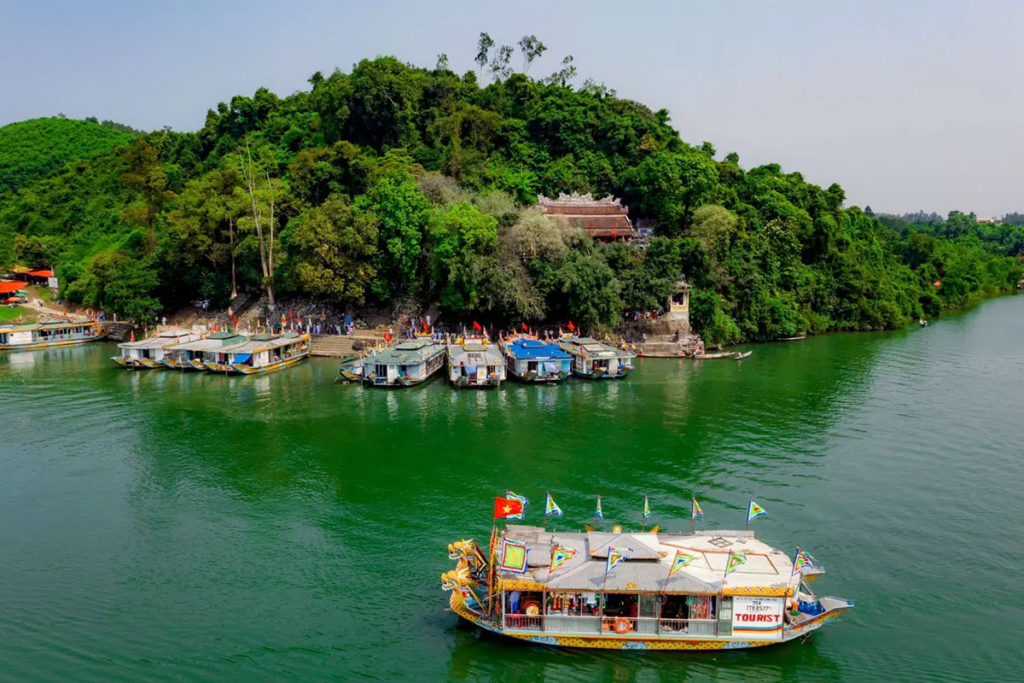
592 359
191 355
51 330
260 353
405 364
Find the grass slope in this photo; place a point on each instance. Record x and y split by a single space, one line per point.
32 149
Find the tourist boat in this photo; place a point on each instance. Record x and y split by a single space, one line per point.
259 353
475 362
595 360
191 355
532 360
51 330
149 353
405 364
641 603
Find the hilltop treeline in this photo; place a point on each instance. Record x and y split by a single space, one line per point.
393 184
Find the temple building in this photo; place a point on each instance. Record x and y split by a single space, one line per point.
604 219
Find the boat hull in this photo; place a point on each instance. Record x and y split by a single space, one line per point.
50 344
605 375
189 365
239 369
138 363
617 642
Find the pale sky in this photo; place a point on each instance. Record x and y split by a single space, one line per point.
907 105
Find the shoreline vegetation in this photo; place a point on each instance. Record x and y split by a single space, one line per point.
403 189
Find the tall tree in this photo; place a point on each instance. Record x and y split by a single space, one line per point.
146 176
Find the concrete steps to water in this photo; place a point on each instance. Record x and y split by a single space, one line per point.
335 346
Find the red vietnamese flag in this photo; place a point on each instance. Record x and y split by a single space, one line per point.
503 507
572 328
525 328
476 326
425 328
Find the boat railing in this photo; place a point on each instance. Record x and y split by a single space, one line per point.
523 622
572 624
691 627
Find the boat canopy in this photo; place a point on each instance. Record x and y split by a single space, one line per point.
262 342
765 571
167 338
210 342
534 349
51 323
408 353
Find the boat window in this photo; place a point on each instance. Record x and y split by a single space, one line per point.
572 604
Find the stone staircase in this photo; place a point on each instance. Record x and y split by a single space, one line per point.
119 331
334 346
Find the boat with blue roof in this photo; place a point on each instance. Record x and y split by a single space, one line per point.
536 361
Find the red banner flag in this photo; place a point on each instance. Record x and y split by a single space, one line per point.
476 326
572 328
503 507
525 328
387 337
425 328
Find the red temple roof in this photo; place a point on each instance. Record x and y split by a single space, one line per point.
602 218
41 273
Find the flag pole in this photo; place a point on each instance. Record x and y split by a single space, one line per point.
490 573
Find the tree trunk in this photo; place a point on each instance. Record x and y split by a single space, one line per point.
231 237
251 182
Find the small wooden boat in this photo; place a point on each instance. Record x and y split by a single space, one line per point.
647 602
51 330
741 356
191 355
922 322
475 362
260 353
799 337
592 359
148 354
715 356
532 360
406 364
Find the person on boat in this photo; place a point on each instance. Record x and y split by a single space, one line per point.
513 602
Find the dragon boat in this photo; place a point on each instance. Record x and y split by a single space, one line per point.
260 353
148 354
51 330
405 364
666 591
532 360
592 359
191 355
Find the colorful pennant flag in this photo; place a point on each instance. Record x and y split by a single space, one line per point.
550 508
597 513
647 508
680 560
801 560
522 499
754 511
695 511
559 557
734 561
506 507
513 556
615 556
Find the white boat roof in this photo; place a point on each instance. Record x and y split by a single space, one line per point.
649 563
208 344
475 354
166 338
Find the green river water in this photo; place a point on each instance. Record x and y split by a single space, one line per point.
161 526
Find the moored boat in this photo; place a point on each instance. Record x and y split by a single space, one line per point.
595 360
533 360
51 330
260 353
149 353
637 591
475 362
405 364
191 355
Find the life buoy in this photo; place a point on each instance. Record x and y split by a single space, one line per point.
621 625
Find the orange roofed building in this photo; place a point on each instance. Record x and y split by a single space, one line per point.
604 219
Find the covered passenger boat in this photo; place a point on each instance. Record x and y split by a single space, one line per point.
404 365
149 353
533 360
475 362
260 353
51 330
637 591
595 360
191 355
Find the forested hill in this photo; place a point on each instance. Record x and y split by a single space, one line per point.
394 184
32 149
